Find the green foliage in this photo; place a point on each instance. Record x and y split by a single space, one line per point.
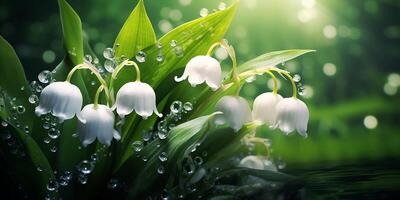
178 47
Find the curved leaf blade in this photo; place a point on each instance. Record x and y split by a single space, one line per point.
136 34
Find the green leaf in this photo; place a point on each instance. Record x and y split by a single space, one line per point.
272 59
136 34
194 38
13 84
72 32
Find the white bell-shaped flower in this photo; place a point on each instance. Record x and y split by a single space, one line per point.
96 122
62 99
136 96
292 114
236 111
202 69
264 107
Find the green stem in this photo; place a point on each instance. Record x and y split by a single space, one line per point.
118 69
275 90
94 71
231 53
285 73
96 97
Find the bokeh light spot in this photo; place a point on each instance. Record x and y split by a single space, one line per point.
370 122
329 31
48 56
329 69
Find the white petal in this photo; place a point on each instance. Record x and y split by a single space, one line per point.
203 69
62 99
292 114
116 135
96 122
302 118
264 107
136 96
236 111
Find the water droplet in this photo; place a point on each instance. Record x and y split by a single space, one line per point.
39 168
53 149
221 6
33 99
88 58
45 76
160 58
112 184
179 51
198 160
188 106
296 78
161 169
164 195
163 156
4 123
22 88
159 45
96 61
176 107
46 125
137 146
108 53
173 43
141 56
162 135
85 167
20 109
204 12
109 65
82 178
94 157
300 90
53 133
46 140
52 185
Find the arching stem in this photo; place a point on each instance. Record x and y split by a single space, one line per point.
94 71
231 52
96 97
275 90
118 69
286 74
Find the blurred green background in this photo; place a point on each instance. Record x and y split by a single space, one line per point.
350 84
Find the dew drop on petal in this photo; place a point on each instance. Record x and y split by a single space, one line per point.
141 56
204 12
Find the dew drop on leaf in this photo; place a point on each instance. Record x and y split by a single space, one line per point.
53 133
160 58
85 167
33 99
173 43
88 58
52 185
296 78
4 123
20 109
109 65
221 6
188 106
163 156
204 12
141 56
137 146
176 107
161 169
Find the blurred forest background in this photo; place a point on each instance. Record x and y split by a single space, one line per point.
351 84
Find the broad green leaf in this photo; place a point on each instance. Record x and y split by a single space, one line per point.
136 34
28 163
13 84
272 59
72 32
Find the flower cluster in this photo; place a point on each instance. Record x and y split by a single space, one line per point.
64 101
287 114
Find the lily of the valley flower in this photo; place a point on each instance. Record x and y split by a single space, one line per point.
236 111
96 121
264 107
202 69
292 114
136 96
62 99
